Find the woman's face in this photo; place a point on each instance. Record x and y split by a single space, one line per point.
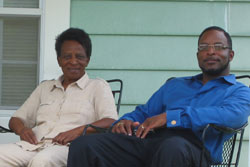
73 60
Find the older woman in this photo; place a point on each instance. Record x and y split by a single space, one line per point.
58 110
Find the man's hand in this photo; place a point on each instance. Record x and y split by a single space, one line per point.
151 123
125 127
28 135
68 136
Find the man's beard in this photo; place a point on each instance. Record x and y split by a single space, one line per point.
215 72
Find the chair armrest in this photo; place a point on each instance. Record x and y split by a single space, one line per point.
227 129
98 129
222 129
5 130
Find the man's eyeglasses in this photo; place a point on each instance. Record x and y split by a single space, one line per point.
216 47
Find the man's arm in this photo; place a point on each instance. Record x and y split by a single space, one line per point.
232 112
151 114
127 126
153 107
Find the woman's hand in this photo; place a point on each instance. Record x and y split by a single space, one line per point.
28 135
25 133
68 136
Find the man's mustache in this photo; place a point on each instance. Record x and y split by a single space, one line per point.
211 59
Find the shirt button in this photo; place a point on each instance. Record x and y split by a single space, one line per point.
173 122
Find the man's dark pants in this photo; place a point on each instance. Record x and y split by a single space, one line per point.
162 148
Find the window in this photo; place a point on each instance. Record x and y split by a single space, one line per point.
20 4
19 50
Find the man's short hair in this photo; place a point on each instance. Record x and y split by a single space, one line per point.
229 40
74 34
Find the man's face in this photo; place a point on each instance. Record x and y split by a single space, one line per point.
214 61
73 60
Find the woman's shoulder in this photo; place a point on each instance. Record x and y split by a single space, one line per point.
98 81
47 84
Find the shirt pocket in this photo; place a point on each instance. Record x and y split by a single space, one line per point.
46 110
78 108
46 103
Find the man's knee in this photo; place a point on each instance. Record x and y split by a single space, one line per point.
82 143
175 151
171 150
83 151
175 145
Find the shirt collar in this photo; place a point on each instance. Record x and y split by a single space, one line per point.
81 83
57 83
228 78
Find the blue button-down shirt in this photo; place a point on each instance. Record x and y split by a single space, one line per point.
190 104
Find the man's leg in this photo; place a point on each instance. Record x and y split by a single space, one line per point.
52 156
176 151
107 150
12 155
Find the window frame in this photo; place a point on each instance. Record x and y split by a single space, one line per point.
47 64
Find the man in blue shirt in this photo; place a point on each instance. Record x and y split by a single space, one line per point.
166 131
